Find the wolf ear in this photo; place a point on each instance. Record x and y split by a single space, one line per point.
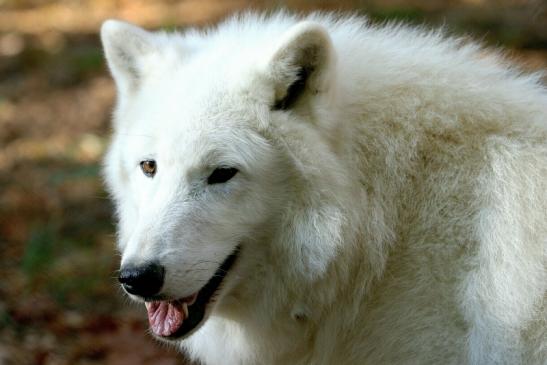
125 46
300 64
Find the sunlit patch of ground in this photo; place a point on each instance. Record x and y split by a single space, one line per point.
59 300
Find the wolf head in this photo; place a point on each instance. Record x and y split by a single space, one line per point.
202 165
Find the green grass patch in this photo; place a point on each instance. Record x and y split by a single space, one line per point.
87 59
39 249
5 319
75 172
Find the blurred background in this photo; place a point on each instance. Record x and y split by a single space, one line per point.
59 299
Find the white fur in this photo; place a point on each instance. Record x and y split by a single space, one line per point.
396 214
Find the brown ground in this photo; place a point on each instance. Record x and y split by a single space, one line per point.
59 300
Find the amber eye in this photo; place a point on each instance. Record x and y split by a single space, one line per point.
148 167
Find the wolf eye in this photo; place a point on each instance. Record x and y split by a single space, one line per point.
221 175
148 167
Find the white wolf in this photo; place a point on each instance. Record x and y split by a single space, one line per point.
317 190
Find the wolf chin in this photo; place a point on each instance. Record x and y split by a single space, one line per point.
319 190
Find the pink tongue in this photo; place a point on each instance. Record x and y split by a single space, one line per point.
165 318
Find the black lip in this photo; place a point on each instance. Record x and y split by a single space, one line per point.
196 312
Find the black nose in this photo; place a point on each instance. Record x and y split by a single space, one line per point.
145 280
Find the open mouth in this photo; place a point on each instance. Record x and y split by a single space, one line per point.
175 319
